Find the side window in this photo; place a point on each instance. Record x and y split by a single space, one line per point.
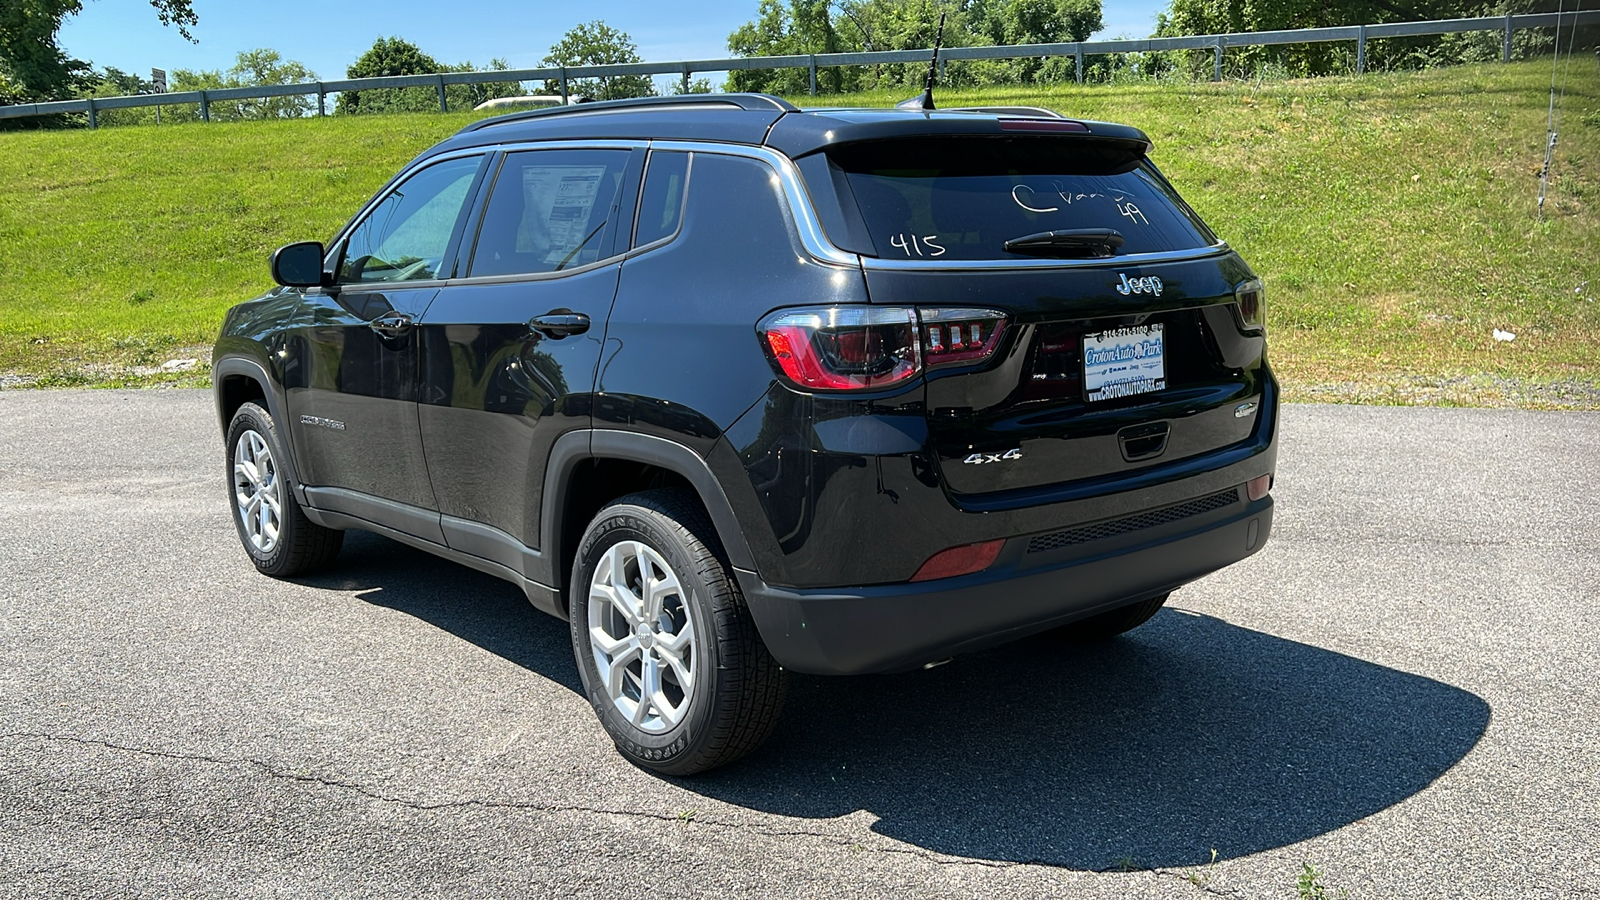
661 201
404 237
550 210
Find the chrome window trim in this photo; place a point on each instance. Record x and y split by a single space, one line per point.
1131 259
787 174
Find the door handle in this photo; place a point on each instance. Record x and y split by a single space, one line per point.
558 323
391 325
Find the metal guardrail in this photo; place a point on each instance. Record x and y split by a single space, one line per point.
1216 43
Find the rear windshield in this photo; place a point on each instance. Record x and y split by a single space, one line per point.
965 197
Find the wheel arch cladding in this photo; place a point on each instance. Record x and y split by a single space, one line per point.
587 470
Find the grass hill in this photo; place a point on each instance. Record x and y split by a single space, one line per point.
1392 217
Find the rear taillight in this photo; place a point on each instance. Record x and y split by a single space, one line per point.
959 335
1252 299
844 348
852 348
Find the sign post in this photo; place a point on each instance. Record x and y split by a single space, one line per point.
158 80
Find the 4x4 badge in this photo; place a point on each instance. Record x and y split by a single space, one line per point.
978 459
1150 284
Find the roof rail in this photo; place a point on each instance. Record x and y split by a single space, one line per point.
753 102
1037 111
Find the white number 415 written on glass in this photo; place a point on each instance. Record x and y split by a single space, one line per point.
926 245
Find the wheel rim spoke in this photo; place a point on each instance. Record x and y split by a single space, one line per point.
641 636
255 492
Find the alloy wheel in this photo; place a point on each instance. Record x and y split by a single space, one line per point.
256 492
642 636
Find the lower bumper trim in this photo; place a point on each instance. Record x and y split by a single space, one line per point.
886 628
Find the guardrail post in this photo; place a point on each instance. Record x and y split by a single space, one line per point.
444 104
1077 54
686 82
1505 47
322 100
813 69
564 85
944 66
1216 69
93 121
1361 49
205 107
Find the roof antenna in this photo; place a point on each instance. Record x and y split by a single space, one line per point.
925 102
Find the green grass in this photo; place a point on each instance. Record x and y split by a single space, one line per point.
1392 217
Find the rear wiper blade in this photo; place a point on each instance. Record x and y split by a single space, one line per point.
1068 242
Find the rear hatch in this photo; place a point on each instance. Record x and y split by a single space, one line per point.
1123 348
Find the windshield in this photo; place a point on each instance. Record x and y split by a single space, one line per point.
964 198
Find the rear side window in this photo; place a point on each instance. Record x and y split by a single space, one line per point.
963 198
549 210
661 201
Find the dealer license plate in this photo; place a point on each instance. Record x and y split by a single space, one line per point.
1123 362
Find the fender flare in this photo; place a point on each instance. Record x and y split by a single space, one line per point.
249 368
576 446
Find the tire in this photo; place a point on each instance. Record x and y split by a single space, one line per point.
1107 625
274 530
716 691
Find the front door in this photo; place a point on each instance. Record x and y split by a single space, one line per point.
352 371
509 353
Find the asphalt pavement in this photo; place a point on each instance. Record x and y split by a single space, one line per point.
1401 690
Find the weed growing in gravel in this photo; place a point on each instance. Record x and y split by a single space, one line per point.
1309 886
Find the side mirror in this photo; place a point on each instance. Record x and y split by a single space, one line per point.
298 265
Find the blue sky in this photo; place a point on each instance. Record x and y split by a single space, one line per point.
328 35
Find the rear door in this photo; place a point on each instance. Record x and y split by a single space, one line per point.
1110 289
353 369
508 352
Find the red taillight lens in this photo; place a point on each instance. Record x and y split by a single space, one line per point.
848 348
959 335
1252 300
842 348
1257 487
963 560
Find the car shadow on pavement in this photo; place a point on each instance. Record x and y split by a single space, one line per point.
478 608
1187 735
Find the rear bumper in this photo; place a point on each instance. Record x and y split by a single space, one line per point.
886 628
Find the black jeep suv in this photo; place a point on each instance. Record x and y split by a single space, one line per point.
736 388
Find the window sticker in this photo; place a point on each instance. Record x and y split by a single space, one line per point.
559 204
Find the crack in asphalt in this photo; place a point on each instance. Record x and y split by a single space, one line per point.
272 771
1203 884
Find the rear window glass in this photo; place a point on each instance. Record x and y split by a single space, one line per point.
964 198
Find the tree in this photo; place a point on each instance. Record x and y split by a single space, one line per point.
802 27
388 57
832 26
32 62
397 56
1034 22
598 44
1224 16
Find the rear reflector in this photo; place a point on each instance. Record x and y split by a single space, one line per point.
963 560
1258 487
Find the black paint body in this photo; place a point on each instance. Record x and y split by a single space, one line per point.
475 436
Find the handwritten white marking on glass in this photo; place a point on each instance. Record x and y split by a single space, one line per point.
1023 187
1132 212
